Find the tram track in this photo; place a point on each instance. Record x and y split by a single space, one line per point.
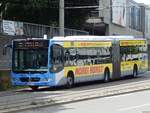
37 99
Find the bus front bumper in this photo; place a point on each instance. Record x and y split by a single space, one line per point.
33 83
32 80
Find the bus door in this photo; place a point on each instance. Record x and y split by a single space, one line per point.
116 59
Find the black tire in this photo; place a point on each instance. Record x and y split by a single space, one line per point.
70 81
106 76
135 72
34 88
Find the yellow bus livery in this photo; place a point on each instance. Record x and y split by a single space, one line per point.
74 59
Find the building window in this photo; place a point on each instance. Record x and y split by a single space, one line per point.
135 17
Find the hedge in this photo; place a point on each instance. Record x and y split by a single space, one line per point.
5 80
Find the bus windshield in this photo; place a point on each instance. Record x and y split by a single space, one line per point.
30 59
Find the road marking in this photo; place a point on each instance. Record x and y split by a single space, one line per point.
134 107
118 96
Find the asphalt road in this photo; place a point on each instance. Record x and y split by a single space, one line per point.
138 102
26 96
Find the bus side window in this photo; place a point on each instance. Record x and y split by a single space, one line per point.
67 57
70 56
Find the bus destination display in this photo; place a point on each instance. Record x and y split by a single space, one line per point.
31 44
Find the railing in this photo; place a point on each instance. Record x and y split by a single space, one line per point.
27 30
37 30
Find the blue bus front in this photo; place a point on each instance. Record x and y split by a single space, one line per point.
30 63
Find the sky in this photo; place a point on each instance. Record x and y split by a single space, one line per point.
147 2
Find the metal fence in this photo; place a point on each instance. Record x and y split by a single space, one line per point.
29 31
37 30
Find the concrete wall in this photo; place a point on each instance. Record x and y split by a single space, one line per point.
106 12
119 30
5 63
5 60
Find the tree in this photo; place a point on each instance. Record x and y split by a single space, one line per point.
36 11
46 11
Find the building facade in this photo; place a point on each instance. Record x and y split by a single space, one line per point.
147 22
120 17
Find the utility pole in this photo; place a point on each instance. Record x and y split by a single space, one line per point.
1 12
61 17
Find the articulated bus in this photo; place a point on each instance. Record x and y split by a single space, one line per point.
73 59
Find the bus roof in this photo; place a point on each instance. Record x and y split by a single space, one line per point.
86 38
96 38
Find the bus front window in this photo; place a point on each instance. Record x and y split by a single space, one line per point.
30 60
56 58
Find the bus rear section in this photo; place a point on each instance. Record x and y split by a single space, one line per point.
89 60
133 57
30 63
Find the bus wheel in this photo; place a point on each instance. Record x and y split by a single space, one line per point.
106 76
34 88
135 71
70 81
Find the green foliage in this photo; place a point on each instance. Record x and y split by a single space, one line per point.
5 83
4 80
46 11
35 11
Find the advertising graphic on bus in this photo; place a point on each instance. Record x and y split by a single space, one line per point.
74 59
